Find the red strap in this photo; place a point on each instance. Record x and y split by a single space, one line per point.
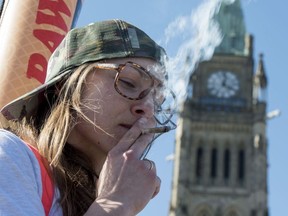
47 184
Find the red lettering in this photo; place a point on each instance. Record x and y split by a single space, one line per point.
49 38
37 66
49 12
56 19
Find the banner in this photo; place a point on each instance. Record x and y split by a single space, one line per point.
30 30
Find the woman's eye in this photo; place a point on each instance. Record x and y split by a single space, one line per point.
127 83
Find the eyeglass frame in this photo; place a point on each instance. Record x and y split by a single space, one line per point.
118 68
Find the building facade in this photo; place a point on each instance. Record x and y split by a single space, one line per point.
220 165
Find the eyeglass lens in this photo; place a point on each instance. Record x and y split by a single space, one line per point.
135 83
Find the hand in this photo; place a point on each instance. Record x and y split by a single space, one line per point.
126 182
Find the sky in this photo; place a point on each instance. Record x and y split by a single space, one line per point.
267 21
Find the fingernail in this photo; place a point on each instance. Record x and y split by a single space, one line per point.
143 121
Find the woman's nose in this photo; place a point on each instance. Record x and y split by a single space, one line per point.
144 107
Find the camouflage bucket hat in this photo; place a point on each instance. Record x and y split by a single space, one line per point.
97 41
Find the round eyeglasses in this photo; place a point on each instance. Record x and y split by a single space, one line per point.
134 82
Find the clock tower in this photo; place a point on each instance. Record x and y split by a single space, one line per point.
220 166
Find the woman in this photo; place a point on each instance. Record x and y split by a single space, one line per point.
104 89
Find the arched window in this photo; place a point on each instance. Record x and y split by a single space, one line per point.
204 213
232 213
266 213
226 164
253 212
199 162
203 210
213 165
241 166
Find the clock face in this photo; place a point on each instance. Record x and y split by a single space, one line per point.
223 84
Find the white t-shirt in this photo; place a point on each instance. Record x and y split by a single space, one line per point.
20 180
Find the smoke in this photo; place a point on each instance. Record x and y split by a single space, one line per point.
198 34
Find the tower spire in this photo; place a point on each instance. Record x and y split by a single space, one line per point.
260 81
261 73
231 23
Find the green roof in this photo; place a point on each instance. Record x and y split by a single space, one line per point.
232 26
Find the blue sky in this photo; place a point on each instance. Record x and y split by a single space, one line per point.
267 21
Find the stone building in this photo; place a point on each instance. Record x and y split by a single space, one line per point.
220 166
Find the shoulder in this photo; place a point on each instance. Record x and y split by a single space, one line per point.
7 137
17 160
14 153
10 145
21 182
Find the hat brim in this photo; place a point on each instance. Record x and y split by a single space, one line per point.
28 104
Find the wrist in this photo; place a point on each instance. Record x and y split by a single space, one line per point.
106 207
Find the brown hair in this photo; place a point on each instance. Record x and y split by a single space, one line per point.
72 171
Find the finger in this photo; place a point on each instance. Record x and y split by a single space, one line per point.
141 144
157 189
150 164
129 138
134 140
